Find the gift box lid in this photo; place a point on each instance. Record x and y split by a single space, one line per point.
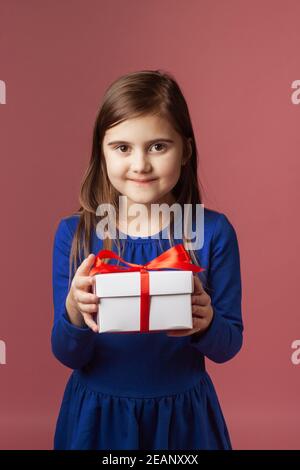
128 283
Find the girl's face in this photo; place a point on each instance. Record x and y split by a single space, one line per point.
144 148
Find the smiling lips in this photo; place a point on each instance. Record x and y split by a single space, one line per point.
143 181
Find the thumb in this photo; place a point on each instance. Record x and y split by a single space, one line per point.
86 265
198 288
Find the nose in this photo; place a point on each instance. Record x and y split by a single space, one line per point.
140 162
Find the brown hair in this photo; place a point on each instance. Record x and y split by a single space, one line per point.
135 94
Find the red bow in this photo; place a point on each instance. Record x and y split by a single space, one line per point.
175 257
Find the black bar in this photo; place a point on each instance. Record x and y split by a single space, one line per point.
133 459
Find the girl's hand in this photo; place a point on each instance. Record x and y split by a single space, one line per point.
81 304
202 311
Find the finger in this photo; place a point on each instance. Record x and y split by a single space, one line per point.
86 265
90 322
198 288
198 323
86 298
88 308
83 282
200 299
197 311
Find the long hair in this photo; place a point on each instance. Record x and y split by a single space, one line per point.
132 95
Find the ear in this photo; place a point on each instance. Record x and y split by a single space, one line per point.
189 150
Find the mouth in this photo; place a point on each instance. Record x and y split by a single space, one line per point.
148 181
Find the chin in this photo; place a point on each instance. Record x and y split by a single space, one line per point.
143 200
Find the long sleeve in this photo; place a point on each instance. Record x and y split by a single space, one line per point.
73 346
224 336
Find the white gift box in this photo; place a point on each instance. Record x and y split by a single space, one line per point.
170 300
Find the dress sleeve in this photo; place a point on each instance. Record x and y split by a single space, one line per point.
224 336
73 346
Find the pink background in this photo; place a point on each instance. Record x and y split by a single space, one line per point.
235 62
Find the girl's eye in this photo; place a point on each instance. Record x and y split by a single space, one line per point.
122 147
159 145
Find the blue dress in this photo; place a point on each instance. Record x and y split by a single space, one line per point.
147 390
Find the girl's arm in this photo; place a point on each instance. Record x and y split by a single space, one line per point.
224 336
72 345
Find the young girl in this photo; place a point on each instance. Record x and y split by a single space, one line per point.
143 390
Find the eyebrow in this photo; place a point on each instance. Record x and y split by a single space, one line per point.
149 141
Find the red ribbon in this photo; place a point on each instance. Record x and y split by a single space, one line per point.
176 257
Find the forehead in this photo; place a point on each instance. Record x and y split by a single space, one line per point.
141 128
